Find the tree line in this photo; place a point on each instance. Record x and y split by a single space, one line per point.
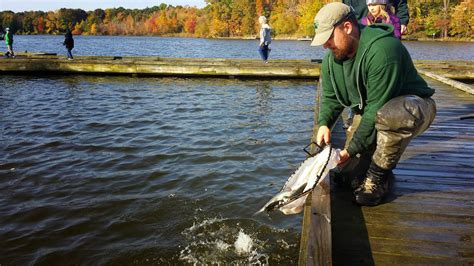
231 18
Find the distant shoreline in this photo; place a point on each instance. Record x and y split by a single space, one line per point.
286 38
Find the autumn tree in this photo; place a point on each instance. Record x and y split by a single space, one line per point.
307 10
228 18
462 19
219 15
284 17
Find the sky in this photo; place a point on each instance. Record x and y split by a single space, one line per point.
51 5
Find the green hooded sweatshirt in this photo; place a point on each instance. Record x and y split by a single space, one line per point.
8 38
381 70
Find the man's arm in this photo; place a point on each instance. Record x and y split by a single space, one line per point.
330 108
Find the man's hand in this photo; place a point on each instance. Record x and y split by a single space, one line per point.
324 135
403 29
343 157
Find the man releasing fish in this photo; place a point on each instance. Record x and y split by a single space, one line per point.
312 171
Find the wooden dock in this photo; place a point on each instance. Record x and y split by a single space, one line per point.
157 66
429 217
28 63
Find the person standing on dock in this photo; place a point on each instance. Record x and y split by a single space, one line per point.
370 71
9 42
265 39
69 43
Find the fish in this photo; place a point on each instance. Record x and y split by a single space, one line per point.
311 172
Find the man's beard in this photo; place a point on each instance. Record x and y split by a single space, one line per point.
347 47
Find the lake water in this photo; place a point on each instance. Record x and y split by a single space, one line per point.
188 47
124 170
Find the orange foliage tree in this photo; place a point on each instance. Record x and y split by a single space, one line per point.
229 18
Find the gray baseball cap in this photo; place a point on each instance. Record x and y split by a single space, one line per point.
327 18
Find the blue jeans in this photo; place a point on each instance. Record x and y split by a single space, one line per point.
69 54
263 50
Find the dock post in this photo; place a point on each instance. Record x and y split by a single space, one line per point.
316 239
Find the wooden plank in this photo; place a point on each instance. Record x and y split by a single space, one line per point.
163 66
422 219
316 240
321 225
118 65
317 244
459 69
393 259
305 233
455 84
416 249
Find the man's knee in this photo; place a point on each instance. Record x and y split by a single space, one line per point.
406 113
397 122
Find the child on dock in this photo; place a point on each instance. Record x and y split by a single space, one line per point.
265 39
381 12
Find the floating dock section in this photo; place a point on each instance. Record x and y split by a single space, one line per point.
157 66
29 63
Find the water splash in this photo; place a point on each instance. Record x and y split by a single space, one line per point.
244 243
222 241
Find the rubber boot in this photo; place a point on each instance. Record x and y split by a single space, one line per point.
374 187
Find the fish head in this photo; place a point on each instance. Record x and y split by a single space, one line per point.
275 202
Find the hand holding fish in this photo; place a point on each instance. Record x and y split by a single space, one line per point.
324 135
343 157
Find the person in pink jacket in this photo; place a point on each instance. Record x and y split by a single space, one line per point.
381 12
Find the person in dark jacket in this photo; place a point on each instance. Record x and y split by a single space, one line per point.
9 42
69 43
401 11
370 71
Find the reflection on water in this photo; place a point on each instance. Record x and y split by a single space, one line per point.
147 170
